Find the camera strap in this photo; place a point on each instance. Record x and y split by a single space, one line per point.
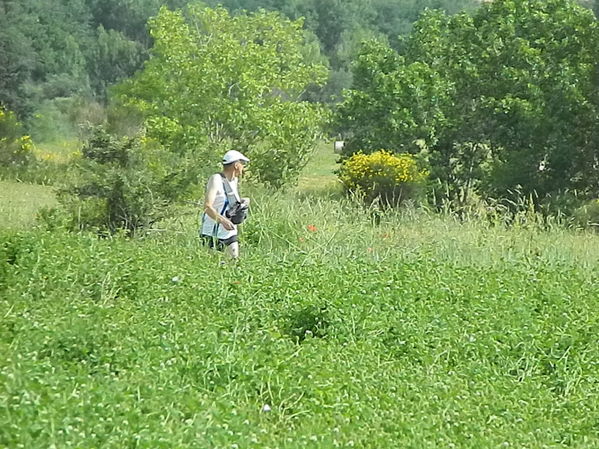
229 192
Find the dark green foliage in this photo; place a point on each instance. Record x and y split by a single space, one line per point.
120 184
113 58
53 50
342 25
503 98
81 47
307 322
587 215
17 58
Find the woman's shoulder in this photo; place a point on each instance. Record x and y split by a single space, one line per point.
215 179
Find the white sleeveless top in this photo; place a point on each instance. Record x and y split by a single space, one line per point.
208 226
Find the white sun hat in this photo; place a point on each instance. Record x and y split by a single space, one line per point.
234 156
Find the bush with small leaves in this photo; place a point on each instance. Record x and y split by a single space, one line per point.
122 184
16 149
382 176
587 215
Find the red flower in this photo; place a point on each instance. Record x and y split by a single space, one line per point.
311 228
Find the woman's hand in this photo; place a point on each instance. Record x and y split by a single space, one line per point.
227 224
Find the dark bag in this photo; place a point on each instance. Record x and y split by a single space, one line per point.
238 210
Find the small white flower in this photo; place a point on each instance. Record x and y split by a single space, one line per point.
266 408
176 279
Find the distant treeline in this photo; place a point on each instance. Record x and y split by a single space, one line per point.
77 48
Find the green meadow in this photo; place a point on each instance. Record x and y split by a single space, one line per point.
445 295
414 330
19 203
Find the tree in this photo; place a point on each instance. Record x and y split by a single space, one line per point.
392 104
518 81
114 58
16 54
121 184
216 81
528 76
128 17
342 25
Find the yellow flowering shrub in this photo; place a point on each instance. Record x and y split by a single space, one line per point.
389 177
16 150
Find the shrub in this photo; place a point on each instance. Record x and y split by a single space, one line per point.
382 176
587 215
16 150
122 184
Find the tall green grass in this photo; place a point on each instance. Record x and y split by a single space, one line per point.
19 203
341 326
323 226
331 331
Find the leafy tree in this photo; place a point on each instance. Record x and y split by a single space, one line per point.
342 25
56 50
58 39
516 82
531 90
121 184
16 54
113 58
217 81
77 48
394 19
128 17
392 104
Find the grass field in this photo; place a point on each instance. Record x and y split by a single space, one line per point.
19 203
318 176
59 151
419 331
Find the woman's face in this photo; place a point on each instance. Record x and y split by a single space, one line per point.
238 168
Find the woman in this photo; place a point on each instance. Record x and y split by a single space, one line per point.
217 229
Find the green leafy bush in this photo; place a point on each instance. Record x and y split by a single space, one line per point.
382 176
16 149
587 215
121 184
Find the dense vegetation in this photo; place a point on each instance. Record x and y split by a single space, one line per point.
421 332
499 100
345 323
217 81
77 48
504 99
